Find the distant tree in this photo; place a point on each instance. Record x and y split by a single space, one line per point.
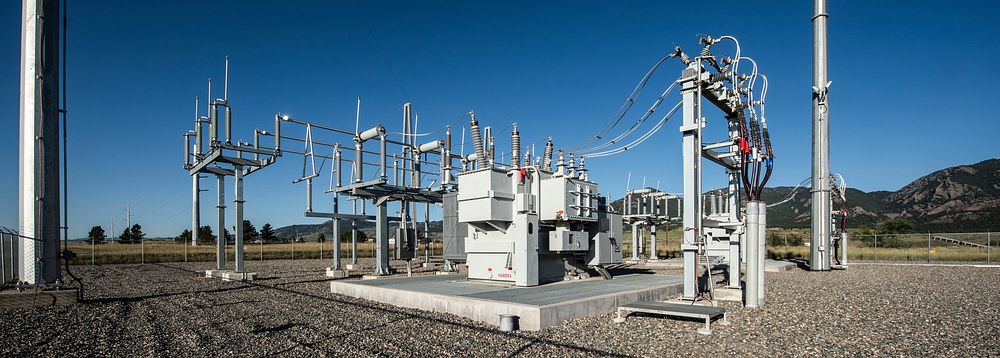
300 239
321 238
97 235
249 232
780 239
136 233
228 237
185 236
125 237
897 226
345 236
267 233
205 235
864 230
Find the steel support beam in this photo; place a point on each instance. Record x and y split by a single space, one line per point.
239 216
220 243
382 239
354 236
335 263
635 241
195 208
652 242
691 149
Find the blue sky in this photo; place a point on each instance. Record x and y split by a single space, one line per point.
910 95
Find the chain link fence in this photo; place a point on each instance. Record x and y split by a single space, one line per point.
154 251
932 248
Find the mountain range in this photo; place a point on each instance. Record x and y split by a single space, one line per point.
959 198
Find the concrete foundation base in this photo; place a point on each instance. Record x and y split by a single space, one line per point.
352 267
536 307
728 294
373 277
447 273
330 272
215 273
230 275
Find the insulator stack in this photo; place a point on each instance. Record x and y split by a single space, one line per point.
547 155
515 148
477 141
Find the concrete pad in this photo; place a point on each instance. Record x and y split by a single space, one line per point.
778 266
238 276
330 272
537 307
728 294
446 273
352 267
215 273
373 277
230 275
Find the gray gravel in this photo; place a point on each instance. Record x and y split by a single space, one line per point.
169 310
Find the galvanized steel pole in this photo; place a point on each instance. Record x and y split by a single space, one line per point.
239 217
820 254
195 208
38 191
220 253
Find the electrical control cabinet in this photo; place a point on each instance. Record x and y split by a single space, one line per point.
407 239
568 240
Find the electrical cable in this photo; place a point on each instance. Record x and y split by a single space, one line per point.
625 107
649 112
791 194
641 139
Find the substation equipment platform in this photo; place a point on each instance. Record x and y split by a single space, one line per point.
537 307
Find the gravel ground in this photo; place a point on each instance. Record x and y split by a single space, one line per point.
170 310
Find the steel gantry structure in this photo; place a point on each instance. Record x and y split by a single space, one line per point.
405 186
745 155
223 158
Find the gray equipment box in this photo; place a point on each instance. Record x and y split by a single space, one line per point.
454 232
568 240
407 240
492 198
566 198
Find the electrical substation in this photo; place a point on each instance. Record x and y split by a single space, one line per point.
530 237
528 240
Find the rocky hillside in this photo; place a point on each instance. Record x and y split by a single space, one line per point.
965 197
